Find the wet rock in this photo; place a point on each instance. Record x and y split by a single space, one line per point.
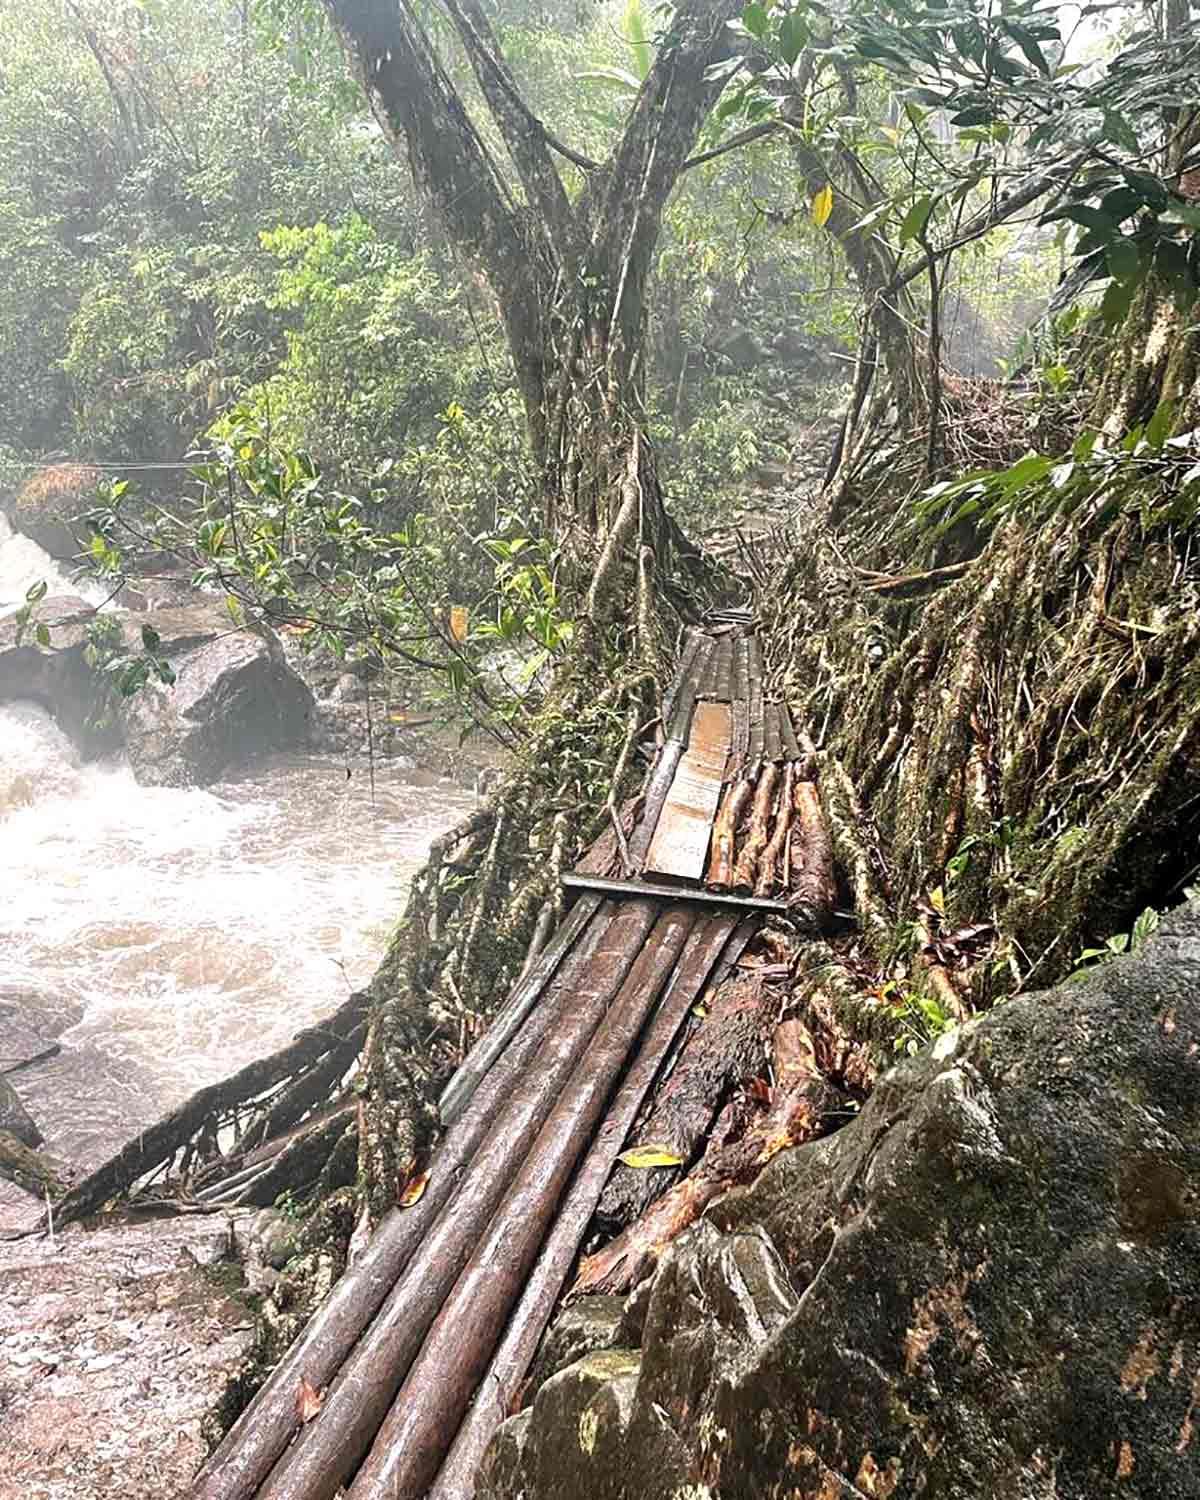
583 1328
235 696
988 1284
15 1118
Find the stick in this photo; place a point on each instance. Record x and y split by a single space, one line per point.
769 863
760 821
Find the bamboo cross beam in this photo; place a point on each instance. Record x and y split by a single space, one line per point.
754 698
671 893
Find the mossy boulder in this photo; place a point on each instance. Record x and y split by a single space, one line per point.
988 1284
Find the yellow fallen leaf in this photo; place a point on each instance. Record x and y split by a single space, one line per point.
308 1400
459 620
650 1156
415 1191
822 206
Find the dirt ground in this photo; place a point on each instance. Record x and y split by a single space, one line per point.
114 1342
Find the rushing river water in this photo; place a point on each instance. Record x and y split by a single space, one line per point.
165 937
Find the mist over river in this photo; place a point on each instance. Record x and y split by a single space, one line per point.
167 936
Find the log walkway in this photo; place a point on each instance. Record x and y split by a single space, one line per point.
423 1347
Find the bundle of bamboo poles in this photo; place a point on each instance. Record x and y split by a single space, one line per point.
770 836
452 1294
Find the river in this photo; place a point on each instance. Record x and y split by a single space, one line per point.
165 937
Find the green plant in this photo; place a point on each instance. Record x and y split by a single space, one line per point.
1120 942
919 1018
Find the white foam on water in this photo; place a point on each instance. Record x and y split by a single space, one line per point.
23 564
189 930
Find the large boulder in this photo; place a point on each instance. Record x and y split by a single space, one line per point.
235 696
987 1285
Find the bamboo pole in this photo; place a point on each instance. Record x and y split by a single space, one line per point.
769 864
328 1450
521 1000
413 1439
756 835
724 834
499 1387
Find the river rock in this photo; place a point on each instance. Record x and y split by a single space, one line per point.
15 1118
235 696
986 1285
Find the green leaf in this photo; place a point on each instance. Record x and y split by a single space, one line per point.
978 114
1028 44
1149 188
1124 261
1116 301
36 592
1158 428
621 77
756 20
915 220
150 638
41 633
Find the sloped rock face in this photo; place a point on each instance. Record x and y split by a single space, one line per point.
235 695
986 1286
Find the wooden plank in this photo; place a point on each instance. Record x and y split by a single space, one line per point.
658 788
741 704
723 680
754 694
671 892
687 691
680 843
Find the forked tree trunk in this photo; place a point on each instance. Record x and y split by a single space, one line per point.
570 278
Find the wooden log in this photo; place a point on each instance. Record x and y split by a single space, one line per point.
724 835
684 700
511 1016
813 883
419 1428
769 865
691 644
329 1448
246 1455
156 1144
745 865
730 1045
800 1101
312 1088
498 1390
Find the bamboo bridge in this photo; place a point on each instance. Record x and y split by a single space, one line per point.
423 1347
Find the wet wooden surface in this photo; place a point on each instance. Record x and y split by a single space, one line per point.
680 844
